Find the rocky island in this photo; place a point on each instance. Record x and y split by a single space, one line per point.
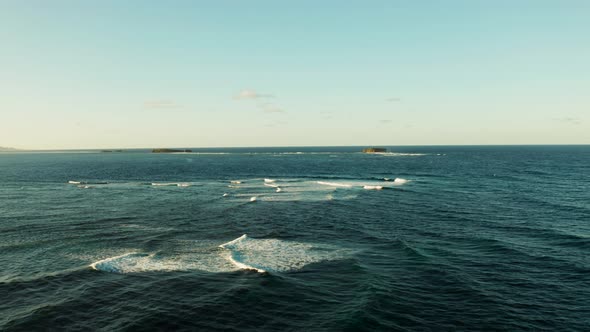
169 151
374 150
6 149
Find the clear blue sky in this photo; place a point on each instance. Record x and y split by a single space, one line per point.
109 73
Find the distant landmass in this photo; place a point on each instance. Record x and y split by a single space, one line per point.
169 150
6 149
374 150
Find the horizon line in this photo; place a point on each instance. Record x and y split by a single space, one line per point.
9 149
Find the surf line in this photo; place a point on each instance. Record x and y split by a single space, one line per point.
230 257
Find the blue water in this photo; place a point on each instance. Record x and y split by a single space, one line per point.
443 238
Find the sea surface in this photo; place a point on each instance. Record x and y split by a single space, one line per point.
439 238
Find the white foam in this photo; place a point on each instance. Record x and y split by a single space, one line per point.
210 260
253 199
399 154
373 187
165 184
243 266
272 255
271 185
184 184
269 180
334 184
400 181
113 264
74 182
235 182
279 190
261 255
232 242
224 194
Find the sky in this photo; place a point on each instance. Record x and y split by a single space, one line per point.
144 74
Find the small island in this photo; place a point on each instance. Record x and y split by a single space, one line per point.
6 149
374 150
169 151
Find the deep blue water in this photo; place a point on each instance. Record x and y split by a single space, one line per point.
458 238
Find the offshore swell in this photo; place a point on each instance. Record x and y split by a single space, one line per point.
456 238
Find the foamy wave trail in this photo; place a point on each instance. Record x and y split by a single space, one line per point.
261 255
168 184
272 255
373 187
334 184
129 262
230 245
269 180
271 185
399 154
86 182
400 181
208 259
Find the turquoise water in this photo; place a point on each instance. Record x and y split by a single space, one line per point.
426 238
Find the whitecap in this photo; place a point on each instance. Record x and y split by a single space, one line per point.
164 184
400 181
334 184
262 255
373 187
273 255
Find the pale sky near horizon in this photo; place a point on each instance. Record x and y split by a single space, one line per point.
142 74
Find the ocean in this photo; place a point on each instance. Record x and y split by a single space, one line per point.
438 238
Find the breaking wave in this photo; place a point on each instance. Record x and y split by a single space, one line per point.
272 255
399 154
334 184
373 187
261 255
168 184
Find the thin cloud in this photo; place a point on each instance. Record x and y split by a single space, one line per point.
251 94
161 104
385 121
269 108
327 115
393 99
569 120
275 124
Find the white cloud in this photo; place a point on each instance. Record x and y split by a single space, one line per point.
270 108
251 94
160 104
